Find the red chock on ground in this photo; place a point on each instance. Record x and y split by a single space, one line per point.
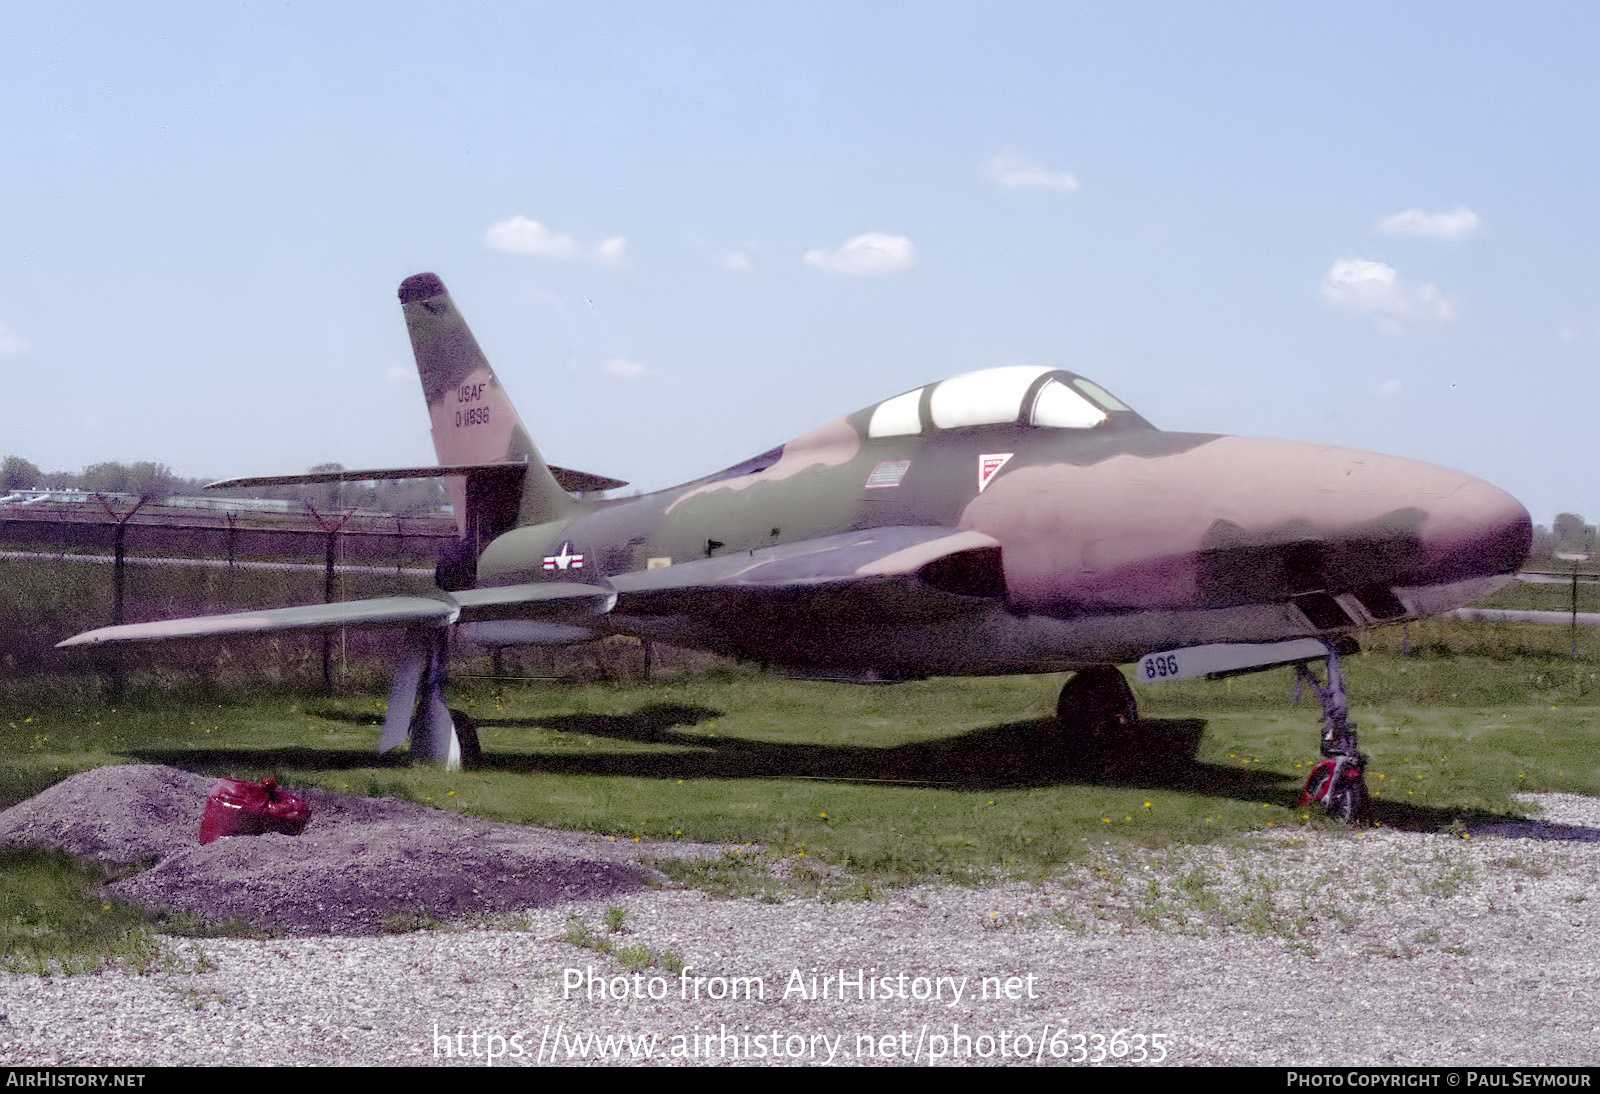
238 807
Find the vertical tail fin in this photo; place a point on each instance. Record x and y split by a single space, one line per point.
474 422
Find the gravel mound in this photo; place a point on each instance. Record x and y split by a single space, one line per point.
359 864
117 816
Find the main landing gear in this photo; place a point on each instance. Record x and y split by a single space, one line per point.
1338 781
1097 705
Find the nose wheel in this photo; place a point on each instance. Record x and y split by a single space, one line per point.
1337 784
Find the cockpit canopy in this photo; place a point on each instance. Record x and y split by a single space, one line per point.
1013 395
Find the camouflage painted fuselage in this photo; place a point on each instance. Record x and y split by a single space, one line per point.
1090 543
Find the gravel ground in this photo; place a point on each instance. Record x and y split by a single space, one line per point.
1371 947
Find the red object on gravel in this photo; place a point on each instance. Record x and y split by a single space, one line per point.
238 807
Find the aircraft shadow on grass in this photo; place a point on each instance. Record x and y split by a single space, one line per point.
1013 755
1020 754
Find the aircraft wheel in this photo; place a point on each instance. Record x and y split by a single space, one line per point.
1349 800
1098 702
457 567
1317 784
467 737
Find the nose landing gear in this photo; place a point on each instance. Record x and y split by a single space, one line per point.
1338 782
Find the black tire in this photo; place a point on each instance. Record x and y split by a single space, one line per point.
1097 701
467 738
1349 800
457 567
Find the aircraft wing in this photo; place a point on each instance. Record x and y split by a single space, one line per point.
876 575
383 611
515 601
867 577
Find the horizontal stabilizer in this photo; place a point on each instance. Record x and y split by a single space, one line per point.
382 611
584 482
581 482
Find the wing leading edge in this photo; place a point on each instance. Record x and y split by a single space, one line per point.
514 601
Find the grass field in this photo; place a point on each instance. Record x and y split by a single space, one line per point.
850 789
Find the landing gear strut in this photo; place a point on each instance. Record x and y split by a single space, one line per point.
1097 704
1338 781
416 703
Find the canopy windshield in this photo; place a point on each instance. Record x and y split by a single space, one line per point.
1017 394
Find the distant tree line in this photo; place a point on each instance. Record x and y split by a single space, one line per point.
157 481
20 474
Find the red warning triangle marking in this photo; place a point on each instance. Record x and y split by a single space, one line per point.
989 465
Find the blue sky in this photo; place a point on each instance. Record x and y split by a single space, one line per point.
686 232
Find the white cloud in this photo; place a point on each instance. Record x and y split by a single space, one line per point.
1574 334
1388 388
1458 224
1017 173
399 374
737 262
611 252
522 236
11 344
623 369
869 254
1354 284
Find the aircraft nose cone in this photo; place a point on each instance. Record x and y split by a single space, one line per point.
1479 530
1439 538
1446 526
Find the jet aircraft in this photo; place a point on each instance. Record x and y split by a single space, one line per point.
1011 520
